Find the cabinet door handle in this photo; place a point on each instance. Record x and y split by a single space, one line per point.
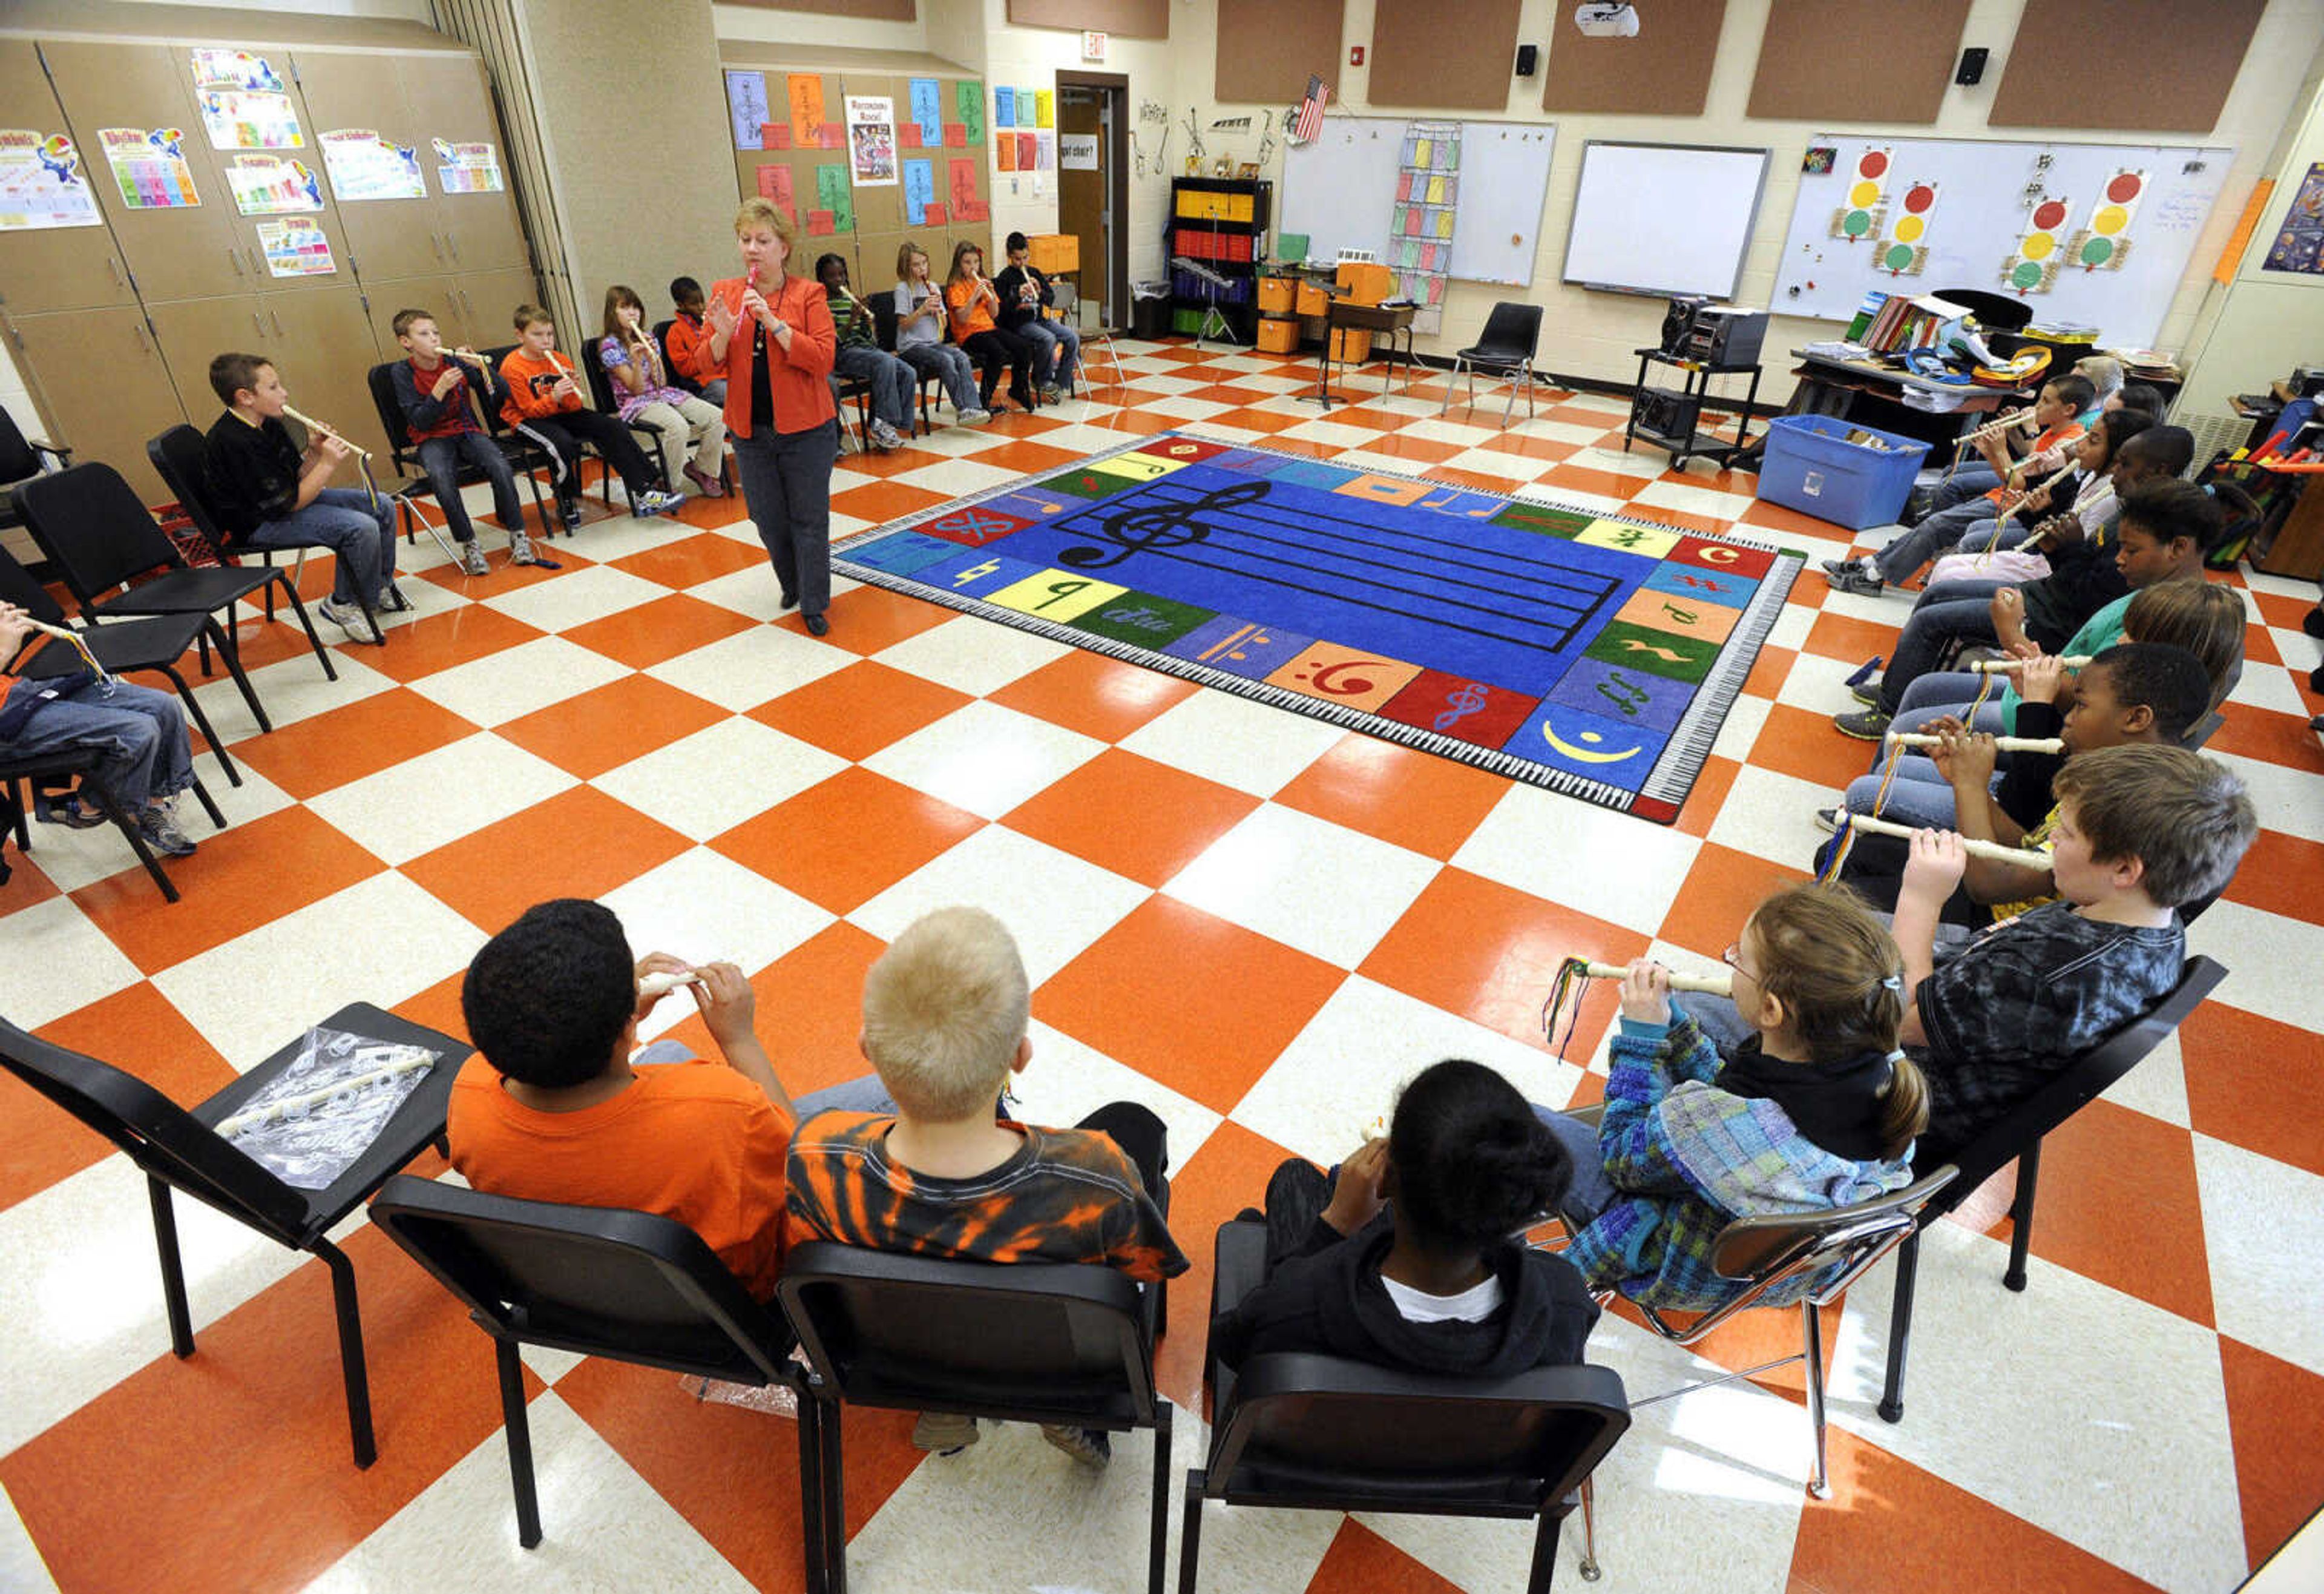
436 244
453 239
137 326
233 258
252 250
276 317
114 265
256 325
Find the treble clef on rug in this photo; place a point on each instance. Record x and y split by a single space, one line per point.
1159 527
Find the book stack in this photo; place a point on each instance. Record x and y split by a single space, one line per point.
1900 321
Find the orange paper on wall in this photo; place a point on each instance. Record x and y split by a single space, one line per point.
806 109
2232 255
1006 147
775 183
935 215
820 223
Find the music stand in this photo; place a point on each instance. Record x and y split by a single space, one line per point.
1322 393
1211 283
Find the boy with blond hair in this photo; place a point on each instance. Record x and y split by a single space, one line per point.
2140 829
946 1011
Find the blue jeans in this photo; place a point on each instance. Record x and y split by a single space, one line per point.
1590 1192
441 457
1939 530
1937 620
895 386
949 364
787 487
1970 481
360 536
1995 533
864 1094
138 734
1053 341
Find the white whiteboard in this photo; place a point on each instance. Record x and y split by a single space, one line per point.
1984 199
1664 218
1341 191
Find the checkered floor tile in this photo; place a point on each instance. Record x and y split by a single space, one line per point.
644 727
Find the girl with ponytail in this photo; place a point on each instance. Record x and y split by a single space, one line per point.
1818 1108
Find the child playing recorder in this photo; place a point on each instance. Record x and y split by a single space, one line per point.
546 404
448 431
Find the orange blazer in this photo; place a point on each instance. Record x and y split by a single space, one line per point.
799 380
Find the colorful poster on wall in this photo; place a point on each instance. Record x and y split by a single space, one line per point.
1004 148
919 191
296 248
268 185
2299 244
871 141
927 110
243 101
833 194
971 99
1045 108
1004 107
1044 151
41 183
805 92
364 166
775 184
746 107
149 168
966 205
468 168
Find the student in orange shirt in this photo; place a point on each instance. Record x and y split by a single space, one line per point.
770 333
554 1109
687 344
973 302
545 403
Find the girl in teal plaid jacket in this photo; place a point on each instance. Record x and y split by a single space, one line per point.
1818 1110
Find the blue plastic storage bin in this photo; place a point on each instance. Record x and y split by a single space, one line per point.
1811 467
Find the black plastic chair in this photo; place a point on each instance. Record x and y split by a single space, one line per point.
99 537
403 456
23 774
1319 1433
678 378
179 1149
20 460
630 1286
1063 1344
1506 350
126 647
2018 1137
176 458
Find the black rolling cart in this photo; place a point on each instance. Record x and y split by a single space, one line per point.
1670 417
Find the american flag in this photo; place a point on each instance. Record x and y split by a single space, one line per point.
1311 112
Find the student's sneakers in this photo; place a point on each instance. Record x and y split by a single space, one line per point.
884 436
1861 577
392 600
973 416
1828 820
350 618
1091 1447
1869 726
654 501
2312 622
157 826
521 551
1055 392
943 1433
472 559
1866 692
568 511
707 485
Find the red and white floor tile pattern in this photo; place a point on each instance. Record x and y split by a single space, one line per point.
642 728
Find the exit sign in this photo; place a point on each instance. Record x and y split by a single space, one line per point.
1093 46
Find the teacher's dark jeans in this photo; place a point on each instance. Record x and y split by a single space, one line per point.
786 486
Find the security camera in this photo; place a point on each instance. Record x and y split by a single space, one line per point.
1607 19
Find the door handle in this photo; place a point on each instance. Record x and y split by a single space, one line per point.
256 325
254 259
233 258
114 265
452 239
276 317
137 326
436 244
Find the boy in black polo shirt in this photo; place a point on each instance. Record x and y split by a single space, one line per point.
267 493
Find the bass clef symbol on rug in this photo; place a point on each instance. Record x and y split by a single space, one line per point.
1159 527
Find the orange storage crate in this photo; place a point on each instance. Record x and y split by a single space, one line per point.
1055 253
1276 295
1313 301
1352 345
1365 281
1278 335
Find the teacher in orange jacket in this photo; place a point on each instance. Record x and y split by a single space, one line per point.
771 333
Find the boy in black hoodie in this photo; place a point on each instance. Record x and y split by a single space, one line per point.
1411 1263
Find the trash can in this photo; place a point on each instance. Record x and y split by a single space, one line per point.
1149 310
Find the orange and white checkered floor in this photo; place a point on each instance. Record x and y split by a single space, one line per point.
1248 920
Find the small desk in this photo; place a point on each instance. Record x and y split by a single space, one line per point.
1346 315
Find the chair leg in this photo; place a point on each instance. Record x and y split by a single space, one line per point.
1190 1532
1900 1329
1451 377
209 805
351 1350
127 826
202 723
1544 1553
1811 1338
812 1529
313 641
234 668
517 1426
173 1271
1158 1553
832 1477
1591 1570
20 807
2021 1215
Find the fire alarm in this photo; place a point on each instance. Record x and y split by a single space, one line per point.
1355 55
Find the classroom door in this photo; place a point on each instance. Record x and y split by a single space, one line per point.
1091 198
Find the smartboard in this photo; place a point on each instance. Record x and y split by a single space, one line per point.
1663 218
1341 191
2094 234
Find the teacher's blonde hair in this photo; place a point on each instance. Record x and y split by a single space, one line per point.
763 212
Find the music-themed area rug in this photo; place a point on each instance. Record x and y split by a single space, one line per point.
1593 654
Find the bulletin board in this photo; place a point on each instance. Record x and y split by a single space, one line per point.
1341 191
1449 54
2097 234
933 184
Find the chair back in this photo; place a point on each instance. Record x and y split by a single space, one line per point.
380 379
1831 1247
2090 1075
883 320
495 423
177 458
1050 1342
1512 332
600 380
678 378
17 587
1322 1431
93 529
635 1286
158 1134
1996 312
18 458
